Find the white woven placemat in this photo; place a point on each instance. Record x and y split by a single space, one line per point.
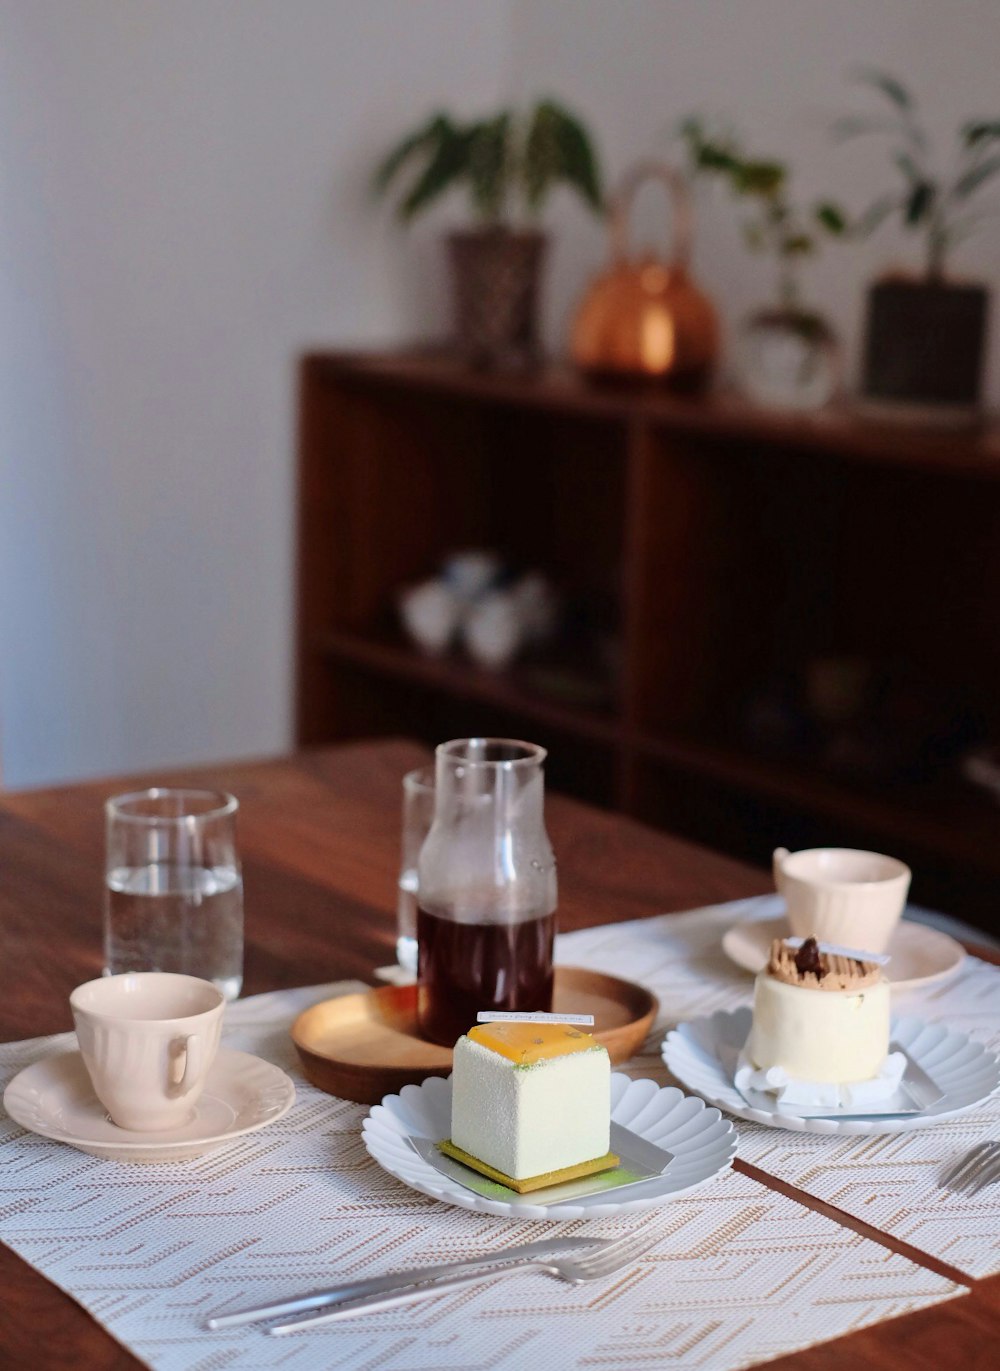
890 1182
739 1274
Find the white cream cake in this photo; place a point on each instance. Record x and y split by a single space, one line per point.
819 1016
530 1098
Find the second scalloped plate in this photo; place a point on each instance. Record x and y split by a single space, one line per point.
965 1070
703 1144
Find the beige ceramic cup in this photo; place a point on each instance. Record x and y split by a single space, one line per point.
841 895
148 1039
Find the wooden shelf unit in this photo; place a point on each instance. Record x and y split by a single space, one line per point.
717 546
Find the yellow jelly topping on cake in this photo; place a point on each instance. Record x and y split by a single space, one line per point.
527 1043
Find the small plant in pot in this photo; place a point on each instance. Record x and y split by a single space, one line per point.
925 335
508 164
790 357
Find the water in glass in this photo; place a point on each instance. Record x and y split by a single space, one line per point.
176 918
173 890
406 921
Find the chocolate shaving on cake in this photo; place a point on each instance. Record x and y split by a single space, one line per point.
809 967
808 959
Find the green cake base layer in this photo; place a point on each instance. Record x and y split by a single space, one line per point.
529 1183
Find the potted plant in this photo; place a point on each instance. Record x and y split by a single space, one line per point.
508 164
789 353
925 335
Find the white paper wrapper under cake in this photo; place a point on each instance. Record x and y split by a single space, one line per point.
824 1094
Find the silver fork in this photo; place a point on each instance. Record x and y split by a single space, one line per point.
592 1266
398 1280
976 1169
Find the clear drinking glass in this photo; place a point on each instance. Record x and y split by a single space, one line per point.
173 887
418 812
487 887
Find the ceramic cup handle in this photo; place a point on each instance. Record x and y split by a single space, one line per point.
778 867
191 1050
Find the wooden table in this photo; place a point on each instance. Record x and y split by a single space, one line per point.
319 835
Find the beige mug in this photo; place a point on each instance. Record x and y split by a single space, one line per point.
148 1039
842 895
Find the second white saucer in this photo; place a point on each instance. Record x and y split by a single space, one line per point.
920 955
54 1097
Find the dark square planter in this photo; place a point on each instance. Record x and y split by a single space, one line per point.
924 344
495 276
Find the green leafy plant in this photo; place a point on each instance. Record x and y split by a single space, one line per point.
776 225
507 164
935 205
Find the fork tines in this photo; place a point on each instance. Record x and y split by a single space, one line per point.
617 1253
976 1169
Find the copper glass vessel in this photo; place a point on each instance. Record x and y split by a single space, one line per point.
643 317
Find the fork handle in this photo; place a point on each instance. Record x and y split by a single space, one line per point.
393 1299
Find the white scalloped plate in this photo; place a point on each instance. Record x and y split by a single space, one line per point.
965 1070
702 1141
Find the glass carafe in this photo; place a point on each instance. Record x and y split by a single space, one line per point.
487 888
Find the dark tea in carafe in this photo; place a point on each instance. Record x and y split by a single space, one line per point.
486 888
466 967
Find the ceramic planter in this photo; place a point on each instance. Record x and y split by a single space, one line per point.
789 359
924 346
495 279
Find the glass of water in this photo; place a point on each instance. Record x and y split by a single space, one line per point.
418 813
173 898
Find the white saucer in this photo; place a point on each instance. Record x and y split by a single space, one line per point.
920 955
697 1054
703 1144
54 1097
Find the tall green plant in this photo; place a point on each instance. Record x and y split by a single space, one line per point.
776 225
929 203
507 164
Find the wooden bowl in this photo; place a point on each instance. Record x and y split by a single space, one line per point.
361 1047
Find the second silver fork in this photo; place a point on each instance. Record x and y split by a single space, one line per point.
974 1170
591 1266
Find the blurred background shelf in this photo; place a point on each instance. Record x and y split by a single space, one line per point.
735 566
839 431
511 690
948 822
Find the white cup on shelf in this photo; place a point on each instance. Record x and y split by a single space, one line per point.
471 573
430 612
494 630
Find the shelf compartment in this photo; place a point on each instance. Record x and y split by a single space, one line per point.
455 677
943 820
375 702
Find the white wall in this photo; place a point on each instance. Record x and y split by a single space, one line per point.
184 211
777 70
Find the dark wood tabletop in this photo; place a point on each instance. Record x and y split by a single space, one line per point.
319 838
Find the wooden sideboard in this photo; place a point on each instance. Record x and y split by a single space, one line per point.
779 629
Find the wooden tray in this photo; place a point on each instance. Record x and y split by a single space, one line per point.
362 1047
